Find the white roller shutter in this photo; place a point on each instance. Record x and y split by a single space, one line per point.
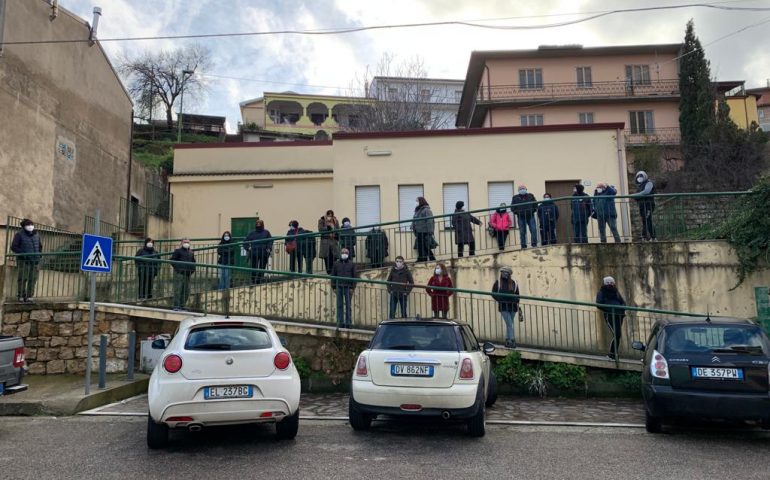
367 205
454 192
499 192
407 195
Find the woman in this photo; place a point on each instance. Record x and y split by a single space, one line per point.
501 225
225 258
329 250
462 223
613 316
439 299
348 237
507 306
422 226
146 271
293 246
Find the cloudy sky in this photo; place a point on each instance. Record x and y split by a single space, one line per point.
244 67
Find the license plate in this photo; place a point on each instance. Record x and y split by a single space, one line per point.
228 391
401 370
717 373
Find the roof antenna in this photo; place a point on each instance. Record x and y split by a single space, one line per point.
708 314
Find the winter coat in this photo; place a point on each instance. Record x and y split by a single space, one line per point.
376 245
258 243
644 194
581 207
226 252
348 240
501 222
524 211
306 244
439 299
506 304
328 240
604 203
463 223
144 267
423 223
547 213
183 255
344 268
610 296
402 276
25 242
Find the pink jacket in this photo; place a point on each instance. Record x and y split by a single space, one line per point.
501 222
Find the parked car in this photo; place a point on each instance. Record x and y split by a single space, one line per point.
427 368
11 365
710 368
218 371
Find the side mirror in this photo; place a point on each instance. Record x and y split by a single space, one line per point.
488 348
159 344
637 345
283 341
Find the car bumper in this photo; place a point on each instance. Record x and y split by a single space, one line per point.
461 401
665 401
226 412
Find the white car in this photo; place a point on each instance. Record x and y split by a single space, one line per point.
423 368
218 371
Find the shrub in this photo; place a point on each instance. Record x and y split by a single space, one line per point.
303 368
565 376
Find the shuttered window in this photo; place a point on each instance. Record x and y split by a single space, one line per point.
499 192
367 205
407 196
454 192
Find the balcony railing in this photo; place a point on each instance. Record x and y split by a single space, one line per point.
575 91
657 136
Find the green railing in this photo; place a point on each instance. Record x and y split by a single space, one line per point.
106 229
158 201
53 239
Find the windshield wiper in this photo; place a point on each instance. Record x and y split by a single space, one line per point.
211 346
749 349
401 347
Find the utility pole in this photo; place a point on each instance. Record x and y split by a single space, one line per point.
185 73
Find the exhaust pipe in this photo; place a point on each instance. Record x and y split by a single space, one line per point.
194 428
445 414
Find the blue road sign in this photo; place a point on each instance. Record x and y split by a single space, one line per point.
96 255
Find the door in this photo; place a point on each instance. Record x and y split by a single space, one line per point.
558 189
239 228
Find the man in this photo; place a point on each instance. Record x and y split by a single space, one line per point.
581 212
27 245
613 315
259 245
645 189
400 284
606 214
344 268
524 207
548 215
182 272
376 247
462 223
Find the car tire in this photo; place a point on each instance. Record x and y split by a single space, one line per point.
358 420
765 424
492 390
157 434
652 424
287 428
477 423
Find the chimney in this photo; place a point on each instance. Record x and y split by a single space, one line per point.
95 24
54 10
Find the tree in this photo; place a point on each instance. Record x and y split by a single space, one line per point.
697 98
158 78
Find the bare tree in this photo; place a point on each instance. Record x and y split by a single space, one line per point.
158 78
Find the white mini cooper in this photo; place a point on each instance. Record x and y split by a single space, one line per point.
218 371
423 368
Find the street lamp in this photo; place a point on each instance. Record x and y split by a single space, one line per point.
185 74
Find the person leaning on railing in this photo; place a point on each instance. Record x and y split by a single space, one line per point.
27 245
605 212
645 189
523 206
182 273
462 223
329 249
146 269
226 253
423 228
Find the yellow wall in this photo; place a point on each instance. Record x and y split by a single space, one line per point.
743 110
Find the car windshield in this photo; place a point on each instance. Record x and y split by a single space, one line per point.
228 338
419 336
715 339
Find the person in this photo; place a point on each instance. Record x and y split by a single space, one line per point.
547 215
507 306
606 214
376 247
645 189
399 294
348 237
423 227
344 268
146 270
439 299
292 246
501 224
524 207
581 212
613 316
462 223
259 245
329 250
226 253
27 244
182 273
306 250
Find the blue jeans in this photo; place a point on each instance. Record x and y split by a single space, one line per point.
525 221
224 278
344 307
398 299
508 319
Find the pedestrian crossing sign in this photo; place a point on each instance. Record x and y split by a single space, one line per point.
96 255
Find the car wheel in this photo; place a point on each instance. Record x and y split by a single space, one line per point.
652 424
358 420
477 423
765 424
157 433
492 391
287 428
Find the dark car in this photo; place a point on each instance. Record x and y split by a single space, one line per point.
708 368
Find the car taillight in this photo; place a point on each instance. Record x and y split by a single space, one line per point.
18 357
361 369
282 360
466 370
659 365
172 363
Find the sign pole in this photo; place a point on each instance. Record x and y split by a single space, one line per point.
91 314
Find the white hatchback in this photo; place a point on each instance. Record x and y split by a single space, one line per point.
423 368
218 371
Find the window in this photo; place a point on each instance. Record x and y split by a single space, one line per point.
392 93
531 120
707 338
531 78
586 117
425 95
458 96
416 336
367 205
425 118
638 74
584 77
499 192
407 195
642 122
454 192
228 338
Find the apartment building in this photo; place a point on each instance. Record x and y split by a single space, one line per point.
438 99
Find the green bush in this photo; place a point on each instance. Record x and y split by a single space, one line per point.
565 376
536 377
631 382
511 370
303 368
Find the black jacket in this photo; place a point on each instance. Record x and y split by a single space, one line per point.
402 276
25 242
258 242
506 304
581 207
547 213
523 211
227 252
183 255
142 265
376 245
344 268
348 240
610 296
306 243
463 223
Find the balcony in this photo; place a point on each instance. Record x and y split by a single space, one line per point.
657 136
573 92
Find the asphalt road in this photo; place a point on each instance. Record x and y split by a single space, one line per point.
114 447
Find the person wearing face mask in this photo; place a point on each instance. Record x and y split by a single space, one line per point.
400 284
259 244
182 273
376 247
344 268
611 306
293 246
524 207
306 249
226 253
462 223
28 246
606 214
501 224
439 299
581 212
508 306
547 215
329 249
423 228
348 237
645 189
146 270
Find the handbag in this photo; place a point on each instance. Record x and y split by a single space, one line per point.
433 243
291 245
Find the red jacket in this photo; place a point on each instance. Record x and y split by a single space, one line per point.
501 222
439 299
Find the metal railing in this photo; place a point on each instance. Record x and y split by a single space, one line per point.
659 136
159 201
574 90
53 239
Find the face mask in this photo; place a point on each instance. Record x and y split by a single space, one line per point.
416 204
501 211
29 228
599 190
344 256
574 190
227 238
437 271
639 179
259 229
505 276
399 264
185 245
346 224
522 191
546 198
149 244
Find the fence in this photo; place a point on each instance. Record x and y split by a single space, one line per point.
53 239
159 201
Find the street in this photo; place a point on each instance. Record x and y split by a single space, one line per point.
114 447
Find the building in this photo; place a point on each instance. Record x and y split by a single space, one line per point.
204 124
763 106
743 105
437 98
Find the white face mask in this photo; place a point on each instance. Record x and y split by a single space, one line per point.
185 245
227 238
29 228
599 190
344 256
346 224
522 191
149 244
438 271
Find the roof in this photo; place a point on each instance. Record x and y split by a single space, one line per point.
208 119
418 79
702 320
299 143
458 132
724 86
295 94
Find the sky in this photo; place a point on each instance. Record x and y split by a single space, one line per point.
329 64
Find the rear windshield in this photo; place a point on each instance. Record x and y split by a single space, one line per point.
436 338
228 338
710 338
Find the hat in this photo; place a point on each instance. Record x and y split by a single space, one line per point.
608 281
460 204
506 270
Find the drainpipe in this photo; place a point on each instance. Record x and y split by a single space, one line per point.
130 165
2 24
489 93
623 177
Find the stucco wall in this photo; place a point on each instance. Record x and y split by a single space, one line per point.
665 114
